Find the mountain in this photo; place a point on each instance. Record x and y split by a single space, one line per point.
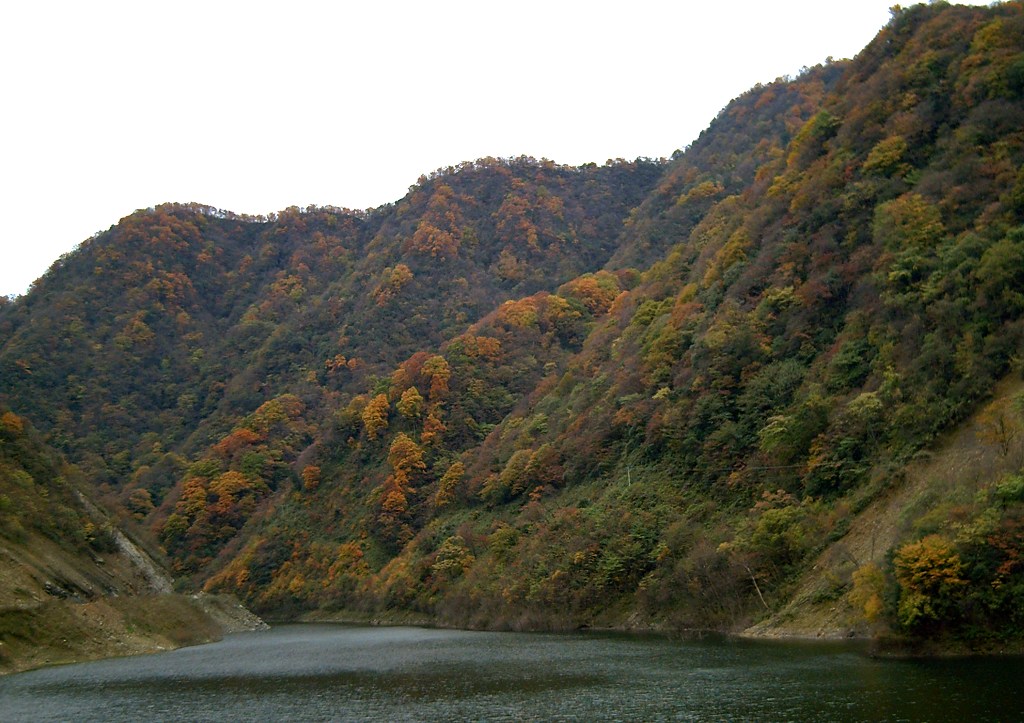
683 392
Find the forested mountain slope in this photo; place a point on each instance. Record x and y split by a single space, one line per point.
184 318
534 395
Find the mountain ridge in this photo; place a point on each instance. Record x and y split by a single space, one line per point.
532 395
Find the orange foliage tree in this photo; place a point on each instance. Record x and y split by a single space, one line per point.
436 367
406 460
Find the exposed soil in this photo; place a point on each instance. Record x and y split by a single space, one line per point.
63 606
959 466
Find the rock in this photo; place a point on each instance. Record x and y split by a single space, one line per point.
55 590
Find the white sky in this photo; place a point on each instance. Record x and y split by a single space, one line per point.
255 106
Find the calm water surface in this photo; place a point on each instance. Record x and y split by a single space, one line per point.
342 673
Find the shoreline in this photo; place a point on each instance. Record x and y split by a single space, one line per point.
218 615
883 646
61 632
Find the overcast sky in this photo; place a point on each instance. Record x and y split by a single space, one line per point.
108 107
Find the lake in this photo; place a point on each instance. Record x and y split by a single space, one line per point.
354 673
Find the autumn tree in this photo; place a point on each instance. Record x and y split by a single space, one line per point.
437 369
439 232
930 576
410 405
375 416
433 426
392 281
448 485
310 478
140 503
406 460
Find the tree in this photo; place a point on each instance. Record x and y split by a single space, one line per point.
453 558
448 485
929 576
375 416
405 458
998 426
238 439
11 423
868 589
140 503
433 427
311 478
908 223
393 280
411 404
1000 275
436 367
429 239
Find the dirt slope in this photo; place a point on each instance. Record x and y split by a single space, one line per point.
959 466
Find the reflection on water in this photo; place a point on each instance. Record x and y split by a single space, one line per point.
334 672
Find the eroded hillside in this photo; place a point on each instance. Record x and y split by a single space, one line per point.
73 586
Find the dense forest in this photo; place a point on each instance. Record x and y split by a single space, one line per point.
664 392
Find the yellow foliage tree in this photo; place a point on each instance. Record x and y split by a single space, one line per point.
391 283
406 459
868 587
410 405
928 573
193 497
375 416
448 485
